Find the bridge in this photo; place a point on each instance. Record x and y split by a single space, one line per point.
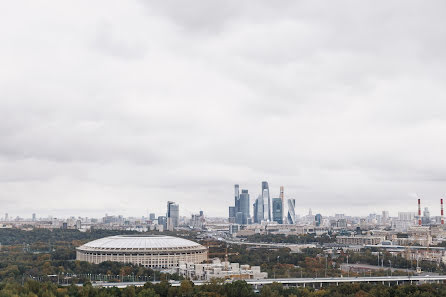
308 282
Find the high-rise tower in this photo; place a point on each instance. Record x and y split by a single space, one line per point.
239 213
242 214
173 215
258 210
266 201
277 210
281 196
237 198
234 209
290 213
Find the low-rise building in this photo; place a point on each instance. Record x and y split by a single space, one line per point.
359 240
219 269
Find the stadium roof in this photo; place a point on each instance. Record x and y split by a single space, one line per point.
148 242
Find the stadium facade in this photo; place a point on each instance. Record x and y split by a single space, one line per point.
153 251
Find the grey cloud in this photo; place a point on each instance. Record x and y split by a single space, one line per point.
106 40
112 106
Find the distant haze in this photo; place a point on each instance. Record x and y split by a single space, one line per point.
118 106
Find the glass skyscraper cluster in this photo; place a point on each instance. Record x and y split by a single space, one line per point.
265 209
239 213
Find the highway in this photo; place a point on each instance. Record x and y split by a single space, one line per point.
314 282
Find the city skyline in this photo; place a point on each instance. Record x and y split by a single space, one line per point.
287 216
341 103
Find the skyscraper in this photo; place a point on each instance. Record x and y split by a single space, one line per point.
277 210
239 213
318 219
266 201
258 210
254 212
162 221
234 209
237 198
283 203
290 212
173 215
385 217
232 213
244 207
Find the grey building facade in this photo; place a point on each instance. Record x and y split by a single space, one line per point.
173 215
277 210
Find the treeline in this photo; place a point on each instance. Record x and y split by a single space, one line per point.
15 265
219 289
281 263
17 236
49 237
387 259
296 239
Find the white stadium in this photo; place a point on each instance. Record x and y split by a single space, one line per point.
154 251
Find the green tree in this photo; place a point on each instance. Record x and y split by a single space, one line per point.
186 288
147 293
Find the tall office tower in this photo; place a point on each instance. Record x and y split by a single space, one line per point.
283 202
162 221
243 207
266 202
6 216
173 215
239 218
266 207
254 211
277 210
258 210
232 214
34 217
152 216
426 219
318 219
237 198
385 217
291 215
236 208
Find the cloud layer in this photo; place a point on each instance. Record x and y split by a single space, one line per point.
118 107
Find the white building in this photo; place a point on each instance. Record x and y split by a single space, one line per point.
219 269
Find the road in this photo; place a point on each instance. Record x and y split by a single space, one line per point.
345 267
318 282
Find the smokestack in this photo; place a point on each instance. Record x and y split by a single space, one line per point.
419 212
442 219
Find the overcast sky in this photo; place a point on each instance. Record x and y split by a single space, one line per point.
118 106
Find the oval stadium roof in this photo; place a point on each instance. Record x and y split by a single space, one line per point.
140 242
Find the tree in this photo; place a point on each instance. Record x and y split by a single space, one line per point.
186 288
129 291
147 293
238 289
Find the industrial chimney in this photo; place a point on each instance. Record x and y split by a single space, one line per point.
442 219
419 212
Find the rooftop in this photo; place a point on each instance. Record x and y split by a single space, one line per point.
140 242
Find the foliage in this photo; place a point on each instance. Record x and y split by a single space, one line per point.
218 289
296 239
